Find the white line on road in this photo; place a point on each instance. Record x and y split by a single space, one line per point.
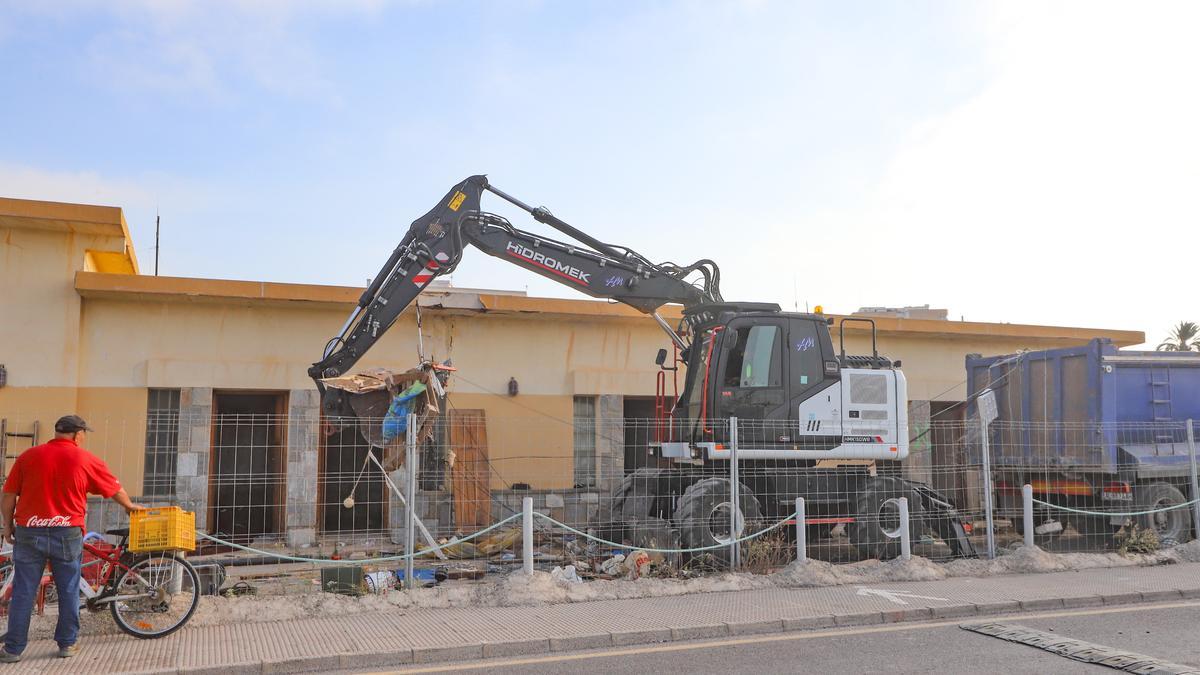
896 596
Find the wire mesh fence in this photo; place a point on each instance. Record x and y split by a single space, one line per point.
286 492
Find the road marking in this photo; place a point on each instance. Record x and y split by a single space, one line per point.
1077 650
811 635
895 596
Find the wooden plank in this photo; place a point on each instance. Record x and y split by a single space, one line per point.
470 477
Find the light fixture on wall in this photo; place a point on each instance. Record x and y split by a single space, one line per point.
512 386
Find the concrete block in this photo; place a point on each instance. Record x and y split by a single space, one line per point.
590 497
555 501
1161 596
568 644
378 660
1041 604
953 611
809 623
910 614
1085 601
859 619
1189 593
455 653
199 438
301 536
305 664
999 607
700 632
755 627
494 650
186 464
641 637
1121 598
195 396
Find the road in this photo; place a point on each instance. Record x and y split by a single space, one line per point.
1165 631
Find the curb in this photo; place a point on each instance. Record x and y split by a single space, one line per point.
527 647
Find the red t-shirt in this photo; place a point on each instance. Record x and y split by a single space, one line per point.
52 482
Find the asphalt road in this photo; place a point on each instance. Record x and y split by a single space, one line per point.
1167 632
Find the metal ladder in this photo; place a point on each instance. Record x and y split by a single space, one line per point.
1160 400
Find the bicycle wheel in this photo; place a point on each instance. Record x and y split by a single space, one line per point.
156 596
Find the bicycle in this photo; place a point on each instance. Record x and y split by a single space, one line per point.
150 595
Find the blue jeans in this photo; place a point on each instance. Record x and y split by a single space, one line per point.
62 547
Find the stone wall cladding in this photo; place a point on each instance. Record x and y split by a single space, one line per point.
195 443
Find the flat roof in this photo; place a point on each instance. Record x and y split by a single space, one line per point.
32 214
182 289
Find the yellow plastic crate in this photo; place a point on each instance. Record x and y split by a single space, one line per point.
166 528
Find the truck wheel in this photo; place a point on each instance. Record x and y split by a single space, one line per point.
875 513
704 511
1170 525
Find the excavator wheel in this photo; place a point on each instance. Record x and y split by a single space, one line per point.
876 514
703 516
642 495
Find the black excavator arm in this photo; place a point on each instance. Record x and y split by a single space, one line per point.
434 245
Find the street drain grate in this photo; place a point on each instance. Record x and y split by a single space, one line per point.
1086 652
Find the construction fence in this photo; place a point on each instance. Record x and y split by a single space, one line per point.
282 495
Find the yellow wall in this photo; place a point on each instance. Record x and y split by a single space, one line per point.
94 343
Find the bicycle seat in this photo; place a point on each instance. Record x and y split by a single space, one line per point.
118 532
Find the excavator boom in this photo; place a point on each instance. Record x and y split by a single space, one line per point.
433 246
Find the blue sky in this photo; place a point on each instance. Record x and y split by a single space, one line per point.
993 159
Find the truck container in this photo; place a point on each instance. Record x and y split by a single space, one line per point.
1094 428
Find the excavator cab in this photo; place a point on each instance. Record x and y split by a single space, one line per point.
793 395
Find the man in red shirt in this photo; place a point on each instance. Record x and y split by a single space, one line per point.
44 509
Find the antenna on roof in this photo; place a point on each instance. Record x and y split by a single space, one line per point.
156 224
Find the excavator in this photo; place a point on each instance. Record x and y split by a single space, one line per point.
812 422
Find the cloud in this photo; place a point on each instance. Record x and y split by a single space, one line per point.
89 187
208 50
1064 191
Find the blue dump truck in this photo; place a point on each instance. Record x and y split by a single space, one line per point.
1093 428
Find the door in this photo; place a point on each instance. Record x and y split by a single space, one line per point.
750 382
353 499
247 467
470 479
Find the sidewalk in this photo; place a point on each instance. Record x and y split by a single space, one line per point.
371 640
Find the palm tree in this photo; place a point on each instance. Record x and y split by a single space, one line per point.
1184 338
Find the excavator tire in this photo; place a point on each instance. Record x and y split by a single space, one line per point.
640 496
703 512
873 515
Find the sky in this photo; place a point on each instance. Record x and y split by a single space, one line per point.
1022 162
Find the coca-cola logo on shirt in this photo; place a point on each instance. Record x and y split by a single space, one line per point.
56 521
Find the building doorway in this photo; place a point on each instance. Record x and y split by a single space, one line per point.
638 412
247 466
346 471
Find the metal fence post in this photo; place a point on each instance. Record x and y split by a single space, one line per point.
905 540
801 533
1027 512
1195 481
410 521
527 535
734 490
986 404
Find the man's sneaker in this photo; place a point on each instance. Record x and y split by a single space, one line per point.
8 657
68 652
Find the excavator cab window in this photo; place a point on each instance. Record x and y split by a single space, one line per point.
754 360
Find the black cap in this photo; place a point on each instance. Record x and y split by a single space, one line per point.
69 424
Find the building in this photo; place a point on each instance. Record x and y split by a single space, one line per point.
164 366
